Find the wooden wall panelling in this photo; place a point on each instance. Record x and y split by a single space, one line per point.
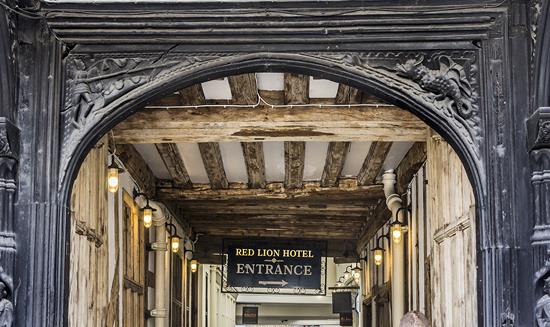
452 225
88 280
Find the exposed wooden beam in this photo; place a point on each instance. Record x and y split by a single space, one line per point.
174 164
273 96
373 162
295 153
275 232
192 95
409 166
276 207
213 164
336 156
255 166
296 88
219 124
137 168
348 94
376 220
239 191
243 89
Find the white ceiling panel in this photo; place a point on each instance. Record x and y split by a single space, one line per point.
322 88
192 159
233 161
217 89
314 163
270 81
398 150
274 157
152 158
355 158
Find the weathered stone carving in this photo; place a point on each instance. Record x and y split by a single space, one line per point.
6 305
449 83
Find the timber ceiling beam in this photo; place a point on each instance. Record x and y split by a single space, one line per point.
239 191
243 89
263 123
213 164
336 157
409 166
348 94
296 88
191 95
137 168
255 163
373 162
295 154
174 164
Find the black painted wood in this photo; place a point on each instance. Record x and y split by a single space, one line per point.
486 38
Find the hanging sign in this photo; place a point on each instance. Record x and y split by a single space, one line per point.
274 266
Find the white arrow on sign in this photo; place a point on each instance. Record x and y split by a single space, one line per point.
282 283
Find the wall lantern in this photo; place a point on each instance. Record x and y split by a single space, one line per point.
174 237
194 266
148 215
112 175
147 210
379 251
397 228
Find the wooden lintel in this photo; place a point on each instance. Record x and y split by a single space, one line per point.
295 153
137 168
255 165
296 88
373 162
336 156
409 166
217 124
213 164
174 164
243 89
240 191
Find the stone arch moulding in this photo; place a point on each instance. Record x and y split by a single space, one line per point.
441 87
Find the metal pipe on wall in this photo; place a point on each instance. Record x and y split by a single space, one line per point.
394 203
159 313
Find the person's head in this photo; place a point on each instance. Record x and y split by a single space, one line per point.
414 319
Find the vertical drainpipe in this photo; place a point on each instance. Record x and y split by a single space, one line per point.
159 313
394 202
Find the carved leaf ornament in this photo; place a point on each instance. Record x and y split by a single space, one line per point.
443 82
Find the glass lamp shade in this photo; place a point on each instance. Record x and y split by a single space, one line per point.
112 179
396 232
378 256
175 244
194 266
147 217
